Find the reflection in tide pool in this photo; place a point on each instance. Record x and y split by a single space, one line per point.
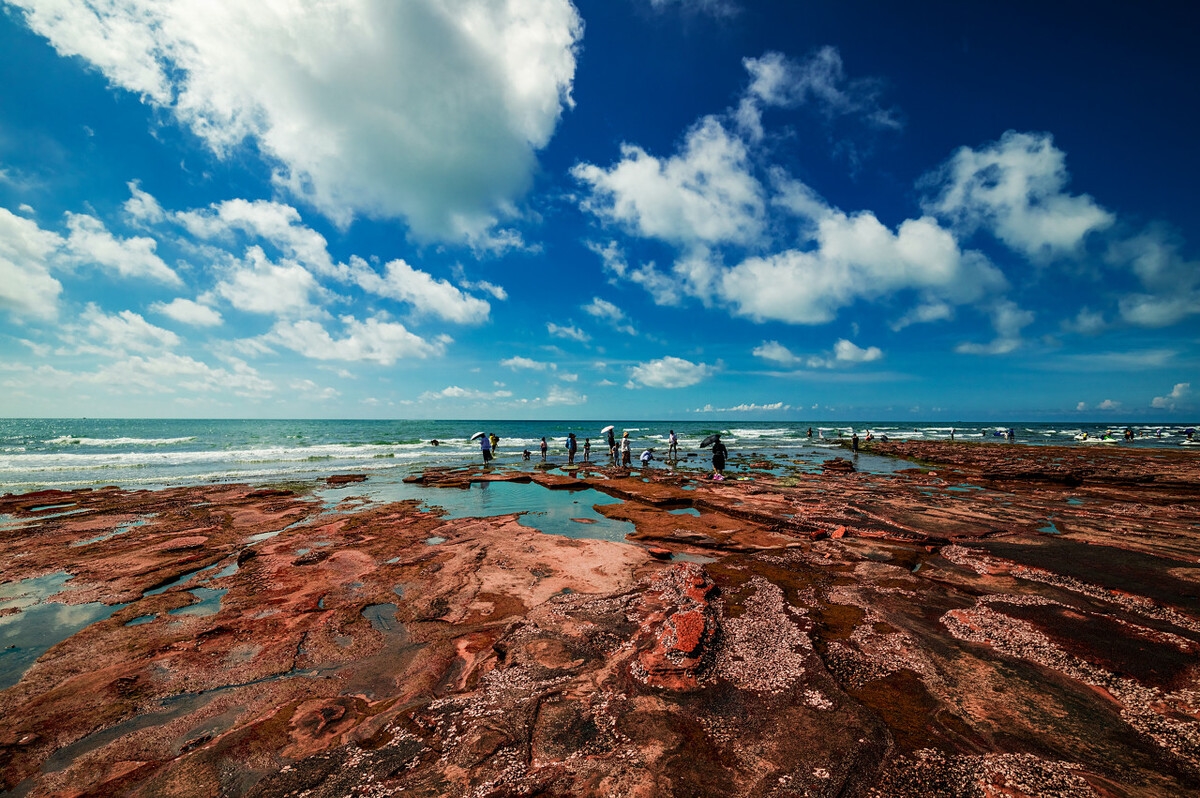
550 511
38 626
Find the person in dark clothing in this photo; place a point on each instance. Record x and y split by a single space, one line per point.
612 445
719 453
854 442
572 447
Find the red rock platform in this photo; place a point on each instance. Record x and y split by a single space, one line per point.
1002 621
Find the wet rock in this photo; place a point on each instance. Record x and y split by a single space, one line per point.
345 479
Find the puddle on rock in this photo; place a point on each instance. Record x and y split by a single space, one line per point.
39 624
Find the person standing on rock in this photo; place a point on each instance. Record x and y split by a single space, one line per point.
572 446
612 446
485 445
625 453
719 453
544 447
587 450
672 446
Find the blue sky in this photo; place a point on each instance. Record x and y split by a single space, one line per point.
614 208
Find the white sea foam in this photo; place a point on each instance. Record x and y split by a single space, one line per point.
71 440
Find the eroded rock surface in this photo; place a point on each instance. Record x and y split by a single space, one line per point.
1003 621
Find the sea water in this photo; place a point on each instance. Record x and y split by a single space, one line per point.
151 453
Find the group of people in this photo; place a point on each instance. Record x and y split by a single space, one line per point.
621 452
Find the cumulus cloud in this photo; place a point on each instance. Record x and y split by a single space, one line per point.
258 285
857 257
374 340
1170 281
447 141
845 353
524 363
281 226
776 353
1086 322
570 332
848 352
458 392
27 289
607 312
776 80
423 291
187 311
561 395
1109 404
717 8
102 333
751 408
1180 392
1007 320
90 243
1015 189
708 201
669 372
704 195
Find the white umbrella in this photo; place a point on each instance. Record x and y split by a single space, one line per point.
606 429
478 435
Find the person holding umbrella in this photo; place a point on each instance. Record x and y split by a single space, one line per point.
485 446
719 453
612 442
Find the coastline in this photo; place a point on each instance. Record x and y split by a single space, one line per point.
1024 617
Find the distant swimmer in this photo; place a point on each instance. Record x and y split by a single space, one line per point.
435 442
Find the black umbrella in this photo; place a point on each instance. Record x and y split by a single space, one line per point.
709 441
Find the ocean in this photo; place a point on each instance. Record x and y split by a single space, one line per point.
37 454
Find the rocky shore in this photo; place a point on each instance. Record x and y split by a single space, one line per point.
1000 620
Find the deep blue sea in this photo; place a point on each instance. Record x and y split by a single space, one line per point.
152 453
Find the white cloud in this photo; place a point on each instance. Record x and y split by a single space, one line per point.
1172 282
1109 404
1082 406
473 89
669 372
518 363
750 408
374 340
847 352
310 390
1180 392
123 332
1014 188
704 195
717 8
856 257
424 292
141 207
26 287
776 80
1086 322
257 285
571 332
1007 320
281 226
928 311
561 395
90 243
608 312
458 392
187 311
777 353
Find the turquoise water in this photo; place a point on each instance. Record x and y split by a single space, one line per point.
150 453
